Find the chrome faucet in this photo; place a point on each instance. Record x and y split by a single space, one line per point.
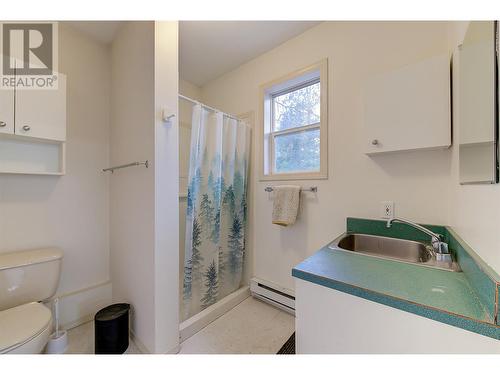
440 247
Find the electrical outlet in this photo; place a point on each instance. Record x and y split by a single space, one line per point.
387 209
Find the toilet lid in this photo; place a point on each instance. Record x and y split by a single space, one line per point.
19 324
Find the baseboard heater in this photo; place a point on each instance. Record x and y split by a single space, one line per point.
273 294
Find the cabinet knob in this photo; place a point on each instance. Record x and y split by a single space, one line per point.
26 128
3 124
375 142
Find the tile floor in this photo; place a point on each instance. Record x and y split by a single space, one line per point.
251 327
81 341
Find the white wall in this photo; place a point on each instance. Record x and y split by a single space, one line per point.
114 104
132 190
189 89
166 190
144 201
474 209
71 211
417 181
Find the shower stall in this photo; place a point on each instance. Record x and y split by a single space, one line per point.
214 152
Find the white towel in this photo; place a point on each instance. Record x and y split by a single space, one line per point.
286 204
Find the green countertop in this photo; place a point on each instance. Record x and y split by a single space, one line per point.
441 295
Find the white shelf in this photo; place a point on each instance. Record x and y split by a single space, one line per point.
32 156
33 173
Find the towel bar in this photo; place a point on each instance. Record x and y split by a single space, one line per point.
134 164
314 189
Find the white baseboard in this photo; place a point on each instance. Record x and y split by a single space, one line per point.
77 322
144 350
175 350
79 307
138 343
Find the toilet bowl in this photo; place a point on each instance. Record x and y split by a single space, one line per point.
25 329
26 278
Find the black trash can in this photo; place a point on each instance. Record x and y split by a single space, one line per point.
111 329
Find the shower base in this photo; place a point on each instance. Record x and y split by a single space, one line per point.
199 321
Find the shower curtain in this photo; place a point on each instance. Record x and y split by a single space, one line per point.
216 209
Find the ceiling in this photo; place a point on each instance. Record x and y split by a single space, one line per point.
102 31
208 49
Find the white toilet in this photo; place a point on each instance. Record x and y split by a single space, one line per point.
26 279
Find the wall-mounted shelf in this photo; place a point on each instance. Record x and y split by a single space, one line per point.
22 155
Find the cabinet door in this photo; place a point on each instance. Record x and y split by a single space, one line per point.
42 113
409 108
7 111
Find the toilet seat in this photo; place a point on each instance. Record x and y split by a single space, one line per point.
25 328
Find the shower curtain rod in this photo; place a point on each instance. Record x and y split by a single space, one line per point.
208 107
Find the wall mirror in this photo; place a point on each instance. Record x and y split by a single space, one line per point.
478 104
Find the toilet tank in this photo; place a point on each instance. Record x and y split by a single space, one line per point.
29 276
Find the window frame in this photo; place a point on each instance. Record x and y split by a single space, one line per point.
289 83
298 129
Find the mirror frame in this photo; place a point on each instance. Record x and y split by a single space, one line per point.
497 103
496 171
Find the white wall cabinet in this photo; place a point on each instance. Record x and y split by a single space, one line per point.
7 111
42 113
409 108
32 141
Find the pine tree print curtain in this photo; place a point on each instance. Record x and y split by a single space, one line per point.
216 209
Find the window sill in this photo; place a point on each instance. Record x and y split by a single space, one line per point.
294 176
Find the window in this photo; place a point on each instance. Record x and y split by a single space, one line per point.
294 128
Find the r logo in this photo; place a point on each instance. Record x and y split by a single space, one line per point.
28 48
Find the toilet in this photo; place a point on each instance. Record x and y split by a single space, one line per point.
27 278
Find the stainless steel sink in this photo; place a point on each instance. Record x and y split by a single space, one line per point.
391 248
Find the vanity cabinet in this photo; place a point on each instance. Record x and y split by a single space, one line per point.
33 130
328 321
409 108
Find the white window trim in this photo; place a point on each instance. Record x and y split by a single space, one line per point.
267 91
